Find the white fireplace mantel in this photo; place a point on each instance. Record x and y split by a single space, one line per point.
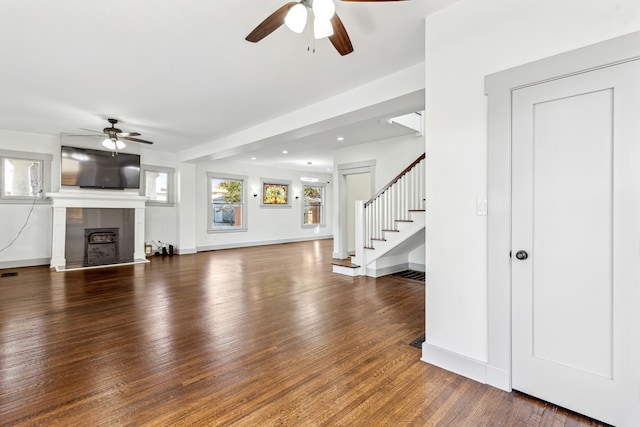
81 198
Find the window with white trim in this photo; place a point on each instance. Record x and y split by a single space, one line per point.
24 175
313 205
227 200
157 185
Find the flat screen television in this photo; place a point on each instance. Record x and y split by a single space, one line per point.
87 168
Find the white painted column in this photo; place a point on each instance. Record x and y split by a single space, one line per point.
138 248
58 259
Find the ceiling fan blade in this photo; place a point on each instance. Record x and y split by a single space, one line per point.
135 140
269 25
91 130
340 39
124 134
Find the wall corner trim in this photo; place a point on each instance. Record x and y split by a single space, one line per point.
498 378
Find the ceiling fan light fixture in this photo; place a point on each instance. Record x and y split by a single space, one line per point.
322 28
120 145
296 18
323 9
107 143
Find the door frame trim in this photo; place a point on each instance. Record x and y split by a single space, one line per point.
340 229
498 88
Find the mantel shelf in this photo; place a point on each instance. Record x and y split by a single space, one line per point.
97 199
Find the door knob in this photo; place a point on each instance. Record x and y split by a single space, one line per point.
522 255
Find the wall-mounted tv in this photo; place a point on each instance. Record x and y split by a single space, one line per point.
87 168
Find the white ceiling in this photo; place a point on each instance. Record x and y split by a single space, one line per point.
181 73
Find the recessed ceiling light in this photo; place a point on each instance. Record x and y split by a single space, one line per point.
341 138
253 158
285 152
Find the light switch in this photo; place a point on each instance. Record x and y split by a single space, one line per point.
481 207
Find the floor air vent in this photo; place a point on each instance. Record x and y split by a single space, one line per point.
410 274
418 342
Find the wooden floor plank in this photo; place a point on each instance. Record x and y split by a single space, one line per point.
253 336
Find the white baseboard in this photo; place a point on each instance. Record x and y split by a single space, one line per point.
186 251
454 362
260 243
417 267
93 267
25 263
383 271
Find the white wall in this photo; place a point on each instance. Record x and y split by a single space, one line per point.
416 259
33 247
265 224
391 156
464 43
186 200
161 222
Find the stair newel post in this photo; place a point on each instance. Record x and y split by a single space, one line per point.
368 228
361 231
377 229
403 197
410 189
409 176
381 201
421 185
416 187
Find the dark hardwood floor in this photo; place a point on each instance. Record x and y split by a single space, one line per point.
259 336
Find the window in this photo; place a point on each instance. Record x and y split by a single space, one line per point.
22 175
313 205
157 185
227 197
275 193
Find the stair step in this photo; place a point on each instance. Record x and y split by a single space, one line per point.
416 210
379 239
404 220
394 231
341 269
345 262
347 265
370 247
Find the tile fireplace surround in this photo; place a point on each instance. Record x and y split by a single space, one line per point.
79 198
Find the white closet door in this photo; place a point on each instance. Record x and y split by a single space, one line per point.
576 242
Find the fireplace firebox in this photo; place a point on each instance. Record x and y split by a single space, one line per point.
101 246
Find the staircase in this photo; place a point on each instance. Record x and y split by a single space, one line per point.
390 225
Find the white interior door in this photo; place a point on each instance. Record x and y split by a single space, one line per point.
576 214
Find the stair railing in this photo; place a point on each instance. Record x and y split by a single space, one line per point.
403 194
